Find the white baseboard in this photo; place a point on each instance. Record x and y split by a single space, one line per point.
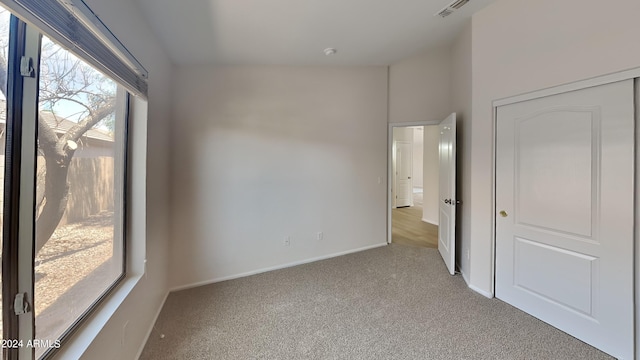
431 221
480 291
465 277
153 324
271 268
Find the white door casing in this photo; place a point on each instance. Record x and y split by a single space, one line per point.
404 167
565 212
447 185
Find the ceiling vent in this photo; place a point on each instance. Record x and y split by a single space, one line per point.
449 9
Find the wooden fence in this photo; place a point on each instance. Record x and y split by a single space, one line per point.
91 187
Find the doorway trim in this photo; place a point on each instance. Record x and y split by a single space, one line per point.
390 164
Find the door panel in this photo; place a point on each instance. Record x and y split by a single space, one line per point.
556 160
444 233
574 289
404 165
564 228
447 192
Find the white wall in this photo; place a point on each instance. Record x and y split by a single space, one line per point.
523 45
461 105
431 165
267 152
419 87
143 302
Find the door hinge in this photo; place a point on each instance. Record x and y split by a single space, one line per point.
26 67
20 304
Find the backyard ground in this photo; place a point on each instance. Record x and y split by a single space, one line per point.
75 252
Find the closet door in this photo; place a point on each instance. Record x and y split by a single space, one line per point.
565 221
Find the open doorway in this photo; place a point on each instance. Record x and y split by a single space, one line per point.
414 181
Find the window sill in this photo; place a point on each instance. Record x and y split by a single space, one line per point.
86 333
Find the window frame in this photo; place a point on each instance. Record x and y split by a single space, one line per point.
13 164
20 163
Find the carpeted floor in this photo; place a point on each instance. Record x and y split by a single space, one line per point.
393 302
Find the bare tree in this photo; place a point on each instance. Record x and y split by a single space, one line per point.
89 99
65 79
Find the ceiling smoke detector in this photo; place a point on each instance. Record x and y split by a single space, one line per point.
449 9
330 51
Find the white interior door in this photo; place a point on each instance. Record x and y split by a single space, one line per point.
447 184
404 166
564 228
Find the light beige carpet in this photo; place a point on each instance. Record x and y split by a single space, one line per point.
394 302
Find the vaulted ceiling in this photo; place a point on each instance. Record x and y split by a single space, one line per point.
295 32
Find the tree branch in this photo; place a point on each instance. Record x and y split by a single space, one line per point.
87 123
47 138
58 97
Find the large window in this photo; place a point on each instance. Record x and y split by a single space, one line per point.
64 172
79 190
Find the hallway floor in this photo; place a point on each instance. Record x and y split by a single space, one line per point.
408 227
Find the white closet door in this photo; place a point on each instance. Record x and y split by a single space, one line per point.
564 197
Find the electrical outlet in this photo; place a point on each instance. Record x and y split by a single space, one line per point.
319 236
287 241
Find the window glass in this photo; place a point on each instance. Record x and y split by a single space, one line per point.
79 190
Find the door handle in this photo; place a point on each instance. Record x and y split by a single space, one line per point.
408 177
447 201
503 213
